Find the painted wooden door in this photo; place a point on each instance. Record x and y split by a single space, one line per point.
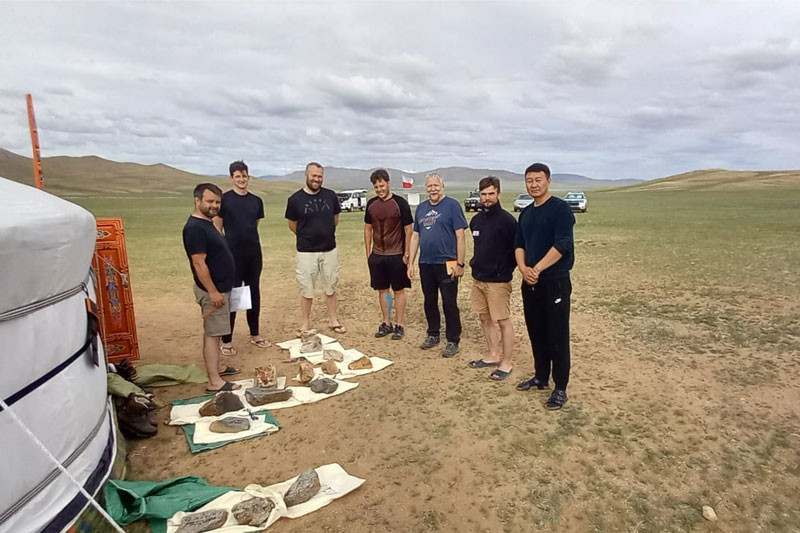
114 296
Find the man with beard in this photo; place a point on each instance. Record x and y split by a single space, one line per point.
493 231
313 213
213 270
387 237
545 254
439 236
238 216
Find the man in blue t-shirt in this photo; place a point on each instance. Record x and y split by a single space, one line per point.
438 235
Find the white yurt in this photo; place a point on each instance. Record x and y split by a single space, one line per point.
52 380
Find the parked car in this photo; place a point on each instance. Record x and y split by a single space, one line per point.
577 201
352 200
522 201
473 201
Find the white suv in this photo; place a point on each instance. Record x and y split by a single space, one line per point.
577 201
352 200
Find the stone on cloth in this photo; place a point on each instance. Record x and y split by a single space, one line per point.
260 395
303 489
313 344
329 367
306 372
360 364
204 521
222 403
324 385
332 355
253 512
232 424
266 376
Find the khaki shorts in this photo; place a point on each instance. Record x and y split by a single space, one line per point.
311 265
217 323
492 298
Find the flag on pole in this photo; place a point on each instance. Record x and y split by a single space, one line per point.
408 182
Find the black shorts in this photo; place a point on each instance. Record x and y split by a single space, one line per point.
386 271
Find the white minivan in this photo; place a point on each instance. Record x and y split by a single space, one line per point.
353 200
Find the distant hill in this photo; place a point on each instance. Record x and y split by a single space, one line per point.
454 177
91 175
721 179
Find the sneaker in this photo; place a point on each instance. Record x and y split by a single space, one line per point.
450 349
399 332
430 342
383 330
557 400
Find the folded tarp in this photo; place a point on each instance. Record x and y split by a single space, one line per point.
129 501
166 375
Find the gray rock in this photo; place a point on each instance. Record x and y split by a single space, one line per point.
204 521
330 354
313 344
253 512
261 396
303 489
324 385
222 403
232 424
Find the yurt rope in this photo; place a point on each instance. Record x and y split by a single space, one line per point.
63 470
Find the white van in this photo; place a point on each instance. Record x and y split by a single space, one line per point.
352 200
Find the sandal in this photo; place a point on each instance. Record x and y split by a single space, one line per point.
480 363
261 342
339 329
228 387
229 371
227 349
499 375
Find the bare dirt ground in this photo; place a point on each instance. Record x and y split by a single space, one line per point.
683 394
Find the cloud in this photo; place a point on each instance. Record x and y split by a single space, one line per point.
361 93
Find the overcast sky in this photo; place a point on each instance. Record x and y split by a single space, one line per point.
609 90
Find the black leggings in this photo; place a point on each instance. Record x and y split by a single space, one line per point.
546 306
248 270
434 278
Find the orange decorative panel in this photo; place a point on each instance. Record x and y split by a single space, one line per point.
114 296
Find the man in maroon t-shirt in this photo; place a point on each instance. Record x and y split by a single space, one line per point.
387 235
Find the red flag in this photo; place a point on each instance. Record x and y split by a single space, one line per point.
408 182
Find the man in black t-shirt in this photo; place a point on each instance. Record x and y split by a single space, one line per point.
544 250
239 215
313 213
387 237
213 271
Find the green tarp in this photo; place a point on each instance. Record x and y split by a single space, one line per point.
166 375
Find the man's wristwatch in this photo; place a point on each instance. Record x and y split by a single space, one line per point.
461 265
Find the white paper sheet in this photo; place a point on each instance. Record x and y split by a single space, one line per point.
241 298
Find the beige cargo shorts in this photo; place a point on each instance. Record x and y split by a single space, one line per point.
217 323
311 265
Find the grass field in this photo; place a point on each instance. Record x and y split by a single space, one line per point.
684 392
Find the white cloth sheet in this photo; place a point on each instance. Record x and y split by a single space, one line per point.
378 363
314 357
334 481
285 345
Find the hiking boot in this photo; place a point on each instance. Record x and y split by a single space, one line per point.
430 342
534 382
450 349
557 400
383 330
399 332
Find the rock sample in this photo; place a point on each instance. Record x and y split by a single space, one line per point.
261 395
204 521
332 355
232 424
266 376
709 514
329 367
303 489
306 372
324 385
253 512
313 344
360 364
307 334
222 403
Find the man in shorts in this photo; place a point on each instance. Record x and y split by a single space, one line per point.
387 237
239 214
313 213
493 231
213 270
